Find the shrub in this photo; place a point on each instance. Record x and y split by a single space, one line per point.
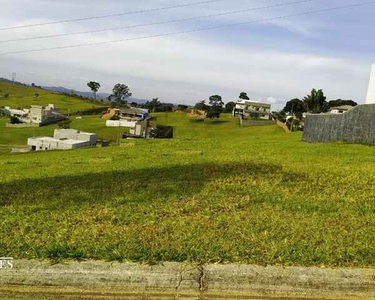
65 124
14 120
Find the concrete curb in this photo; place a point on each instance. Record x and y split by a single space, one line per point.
185 281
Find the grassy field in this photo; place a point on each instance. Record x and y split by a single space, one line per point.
214 193
22 97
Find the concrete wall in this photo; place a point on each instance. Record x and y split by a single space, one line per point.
355 126
250 123
74 134
179 281
121 123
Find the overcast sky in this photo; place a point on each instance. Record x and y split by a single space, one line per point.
272 61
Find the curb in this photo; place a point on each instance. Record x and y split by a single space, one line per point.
173 280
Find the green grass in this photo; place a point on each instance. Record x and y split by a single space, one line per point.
23 97
214 193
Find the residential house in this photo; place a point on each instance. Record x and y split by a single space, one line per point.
252 109
340 109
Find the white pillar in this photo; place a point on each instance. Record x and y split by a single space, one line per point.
371 88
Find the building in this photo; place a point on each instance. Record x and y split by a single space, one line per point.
63 139
340 109
37 114
371 88
19 113
252 109
131 114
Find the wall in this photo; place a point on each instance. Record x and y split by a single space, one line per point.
355 126
249 123
121 123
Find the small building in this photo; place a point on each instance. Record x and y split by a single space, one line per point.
63 139
141 129
44 115
37 114
340 109
132 114
19 113
252 109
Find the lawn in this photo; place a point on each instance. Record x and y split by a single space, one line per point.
214 193
23 97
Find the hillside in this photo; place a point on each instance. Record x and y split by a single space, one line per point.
24 96
214 193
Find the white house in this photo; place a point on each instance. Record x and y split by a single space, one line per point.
63 139
340 109
252 109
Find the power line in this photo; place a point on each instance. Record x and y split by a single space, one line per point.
193 30
113 15
158 23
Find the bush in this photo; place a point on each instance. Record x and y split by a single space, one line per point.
6 96
213 114
162 132
65 124
14 120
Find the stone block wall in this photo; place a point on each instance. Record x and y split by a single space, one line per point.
355 126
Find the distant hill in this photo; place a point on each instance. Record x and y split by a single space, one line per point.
19 95
60 89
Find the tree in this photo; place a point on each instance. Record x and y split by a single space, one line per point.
316 101
36 96
94 86
229 107
120 92
33 84
244 96
216 101
295 107
216 107
201 105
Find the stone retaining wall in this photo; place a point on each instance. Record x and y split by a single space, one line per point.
355 126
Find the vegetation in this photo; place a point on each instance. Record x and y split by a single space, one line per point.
64 124
244 96
22 96
216 107
94 87
119 93
214 193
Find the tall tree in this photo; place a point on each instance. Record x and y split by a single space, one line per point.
244 96
120 92
216 101
316 101
216 107
94 87
295 107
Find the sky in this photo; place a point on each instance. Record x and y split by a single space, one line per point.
273 61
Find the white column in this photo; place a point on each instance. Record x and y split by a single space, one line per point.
371 88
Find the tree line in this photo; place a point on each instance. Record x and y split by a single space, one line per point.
315 102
